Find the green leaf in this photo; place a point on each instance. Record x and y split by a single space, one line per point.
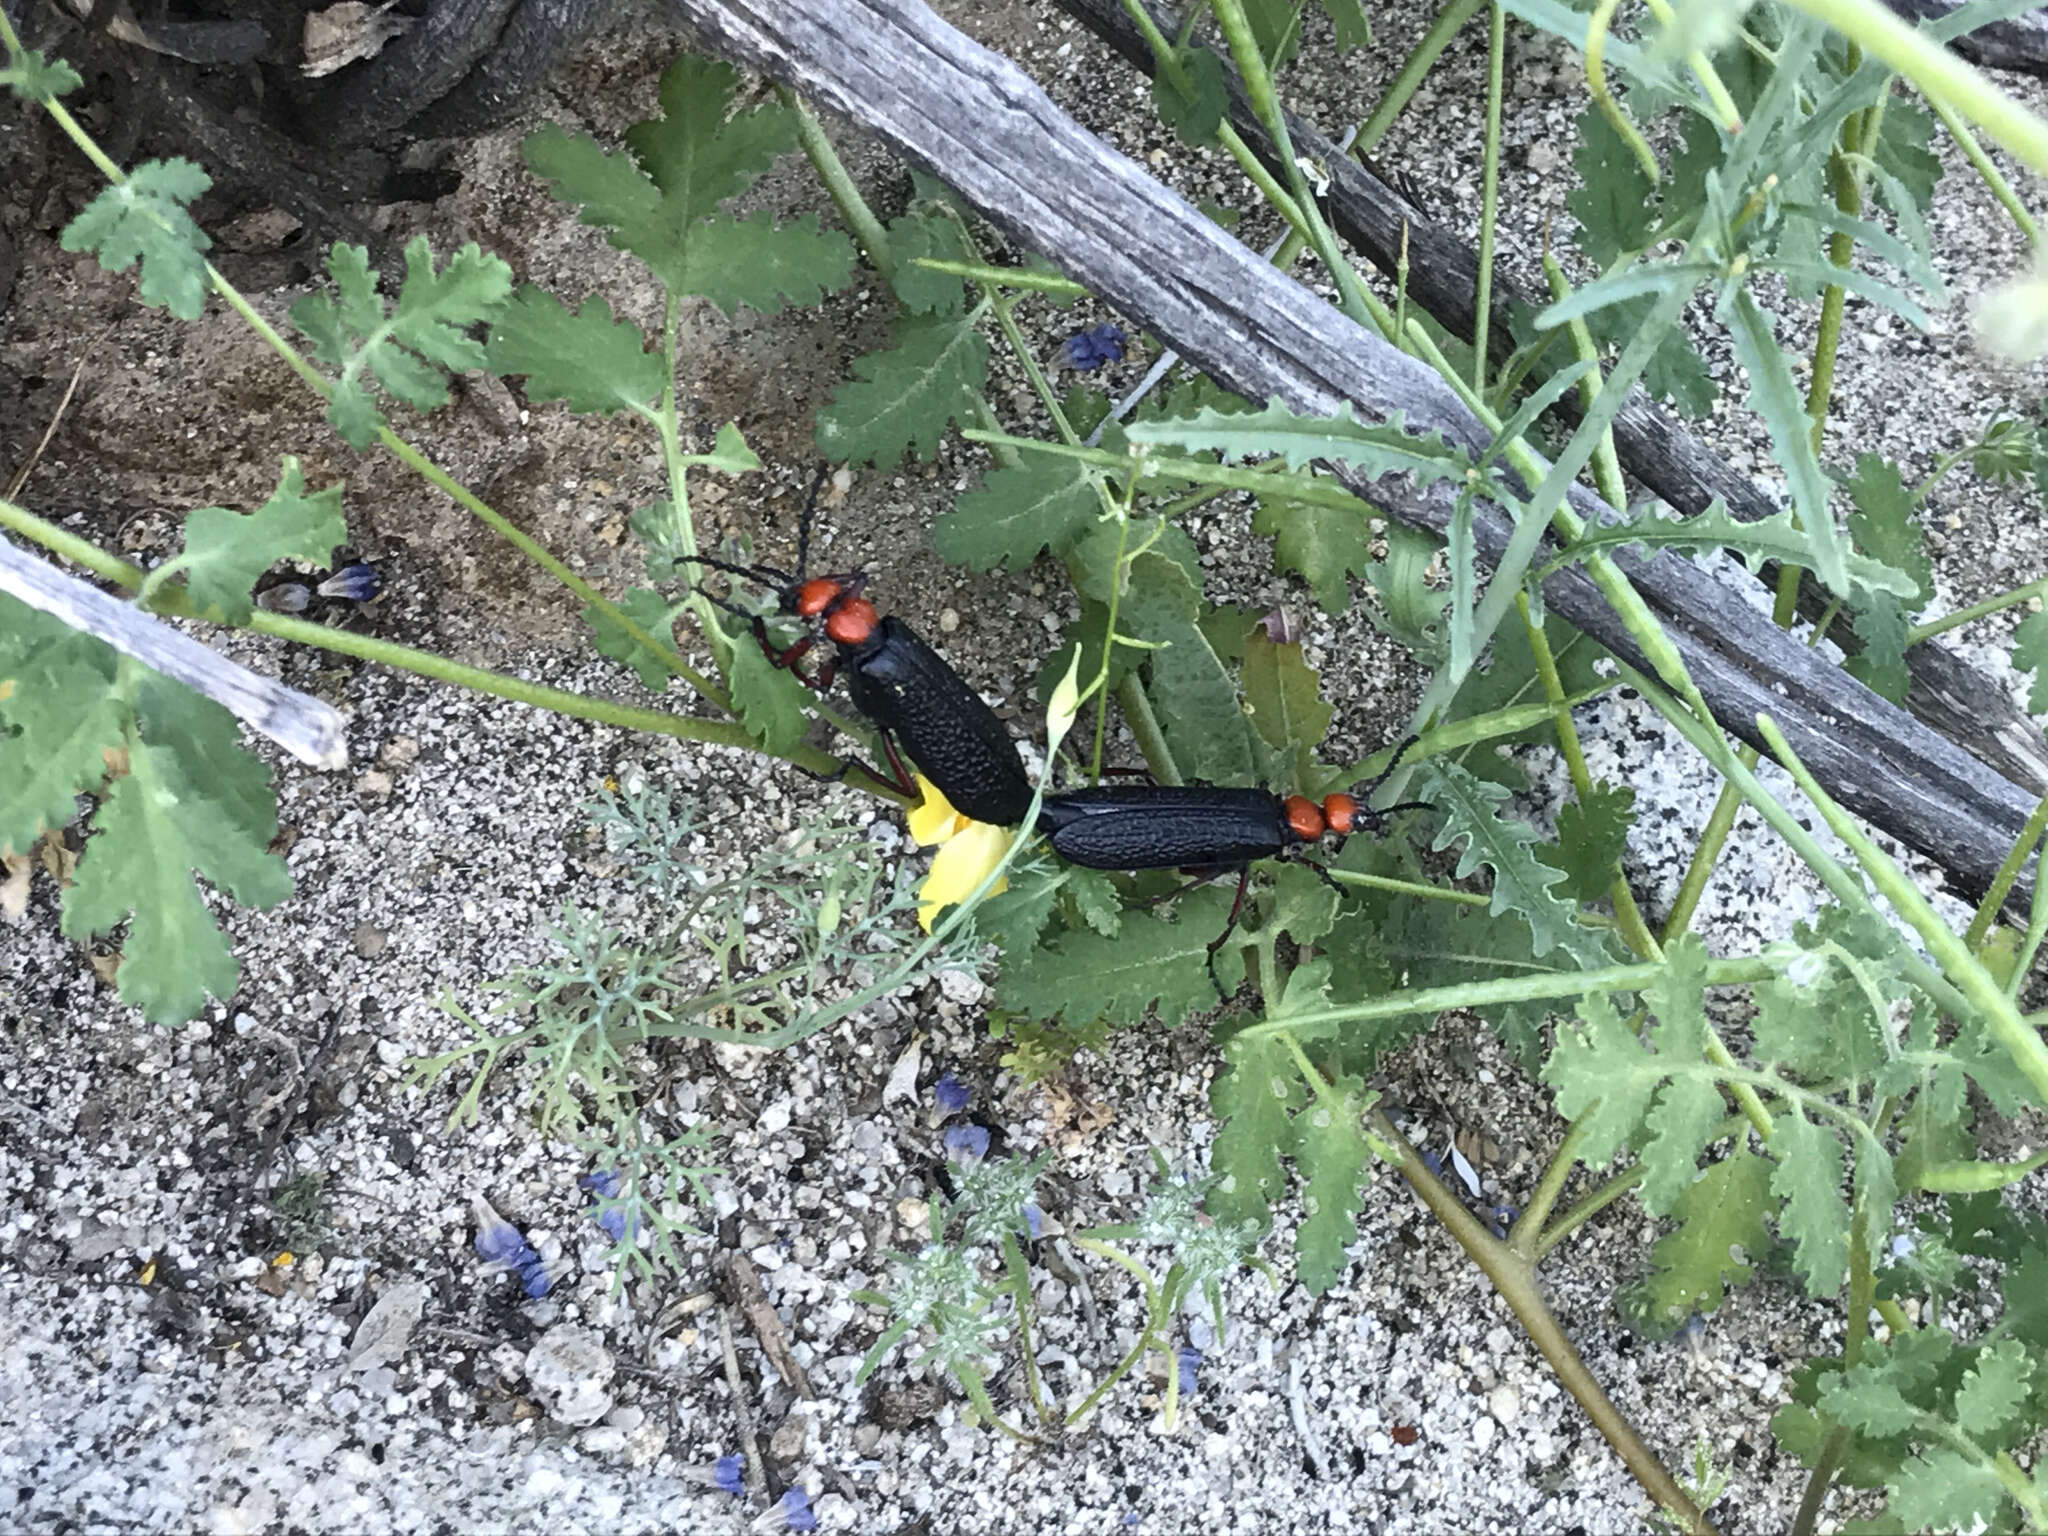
144 220
32 77
2025 1288
1995 1389
905 397
1720 1231
1333 1154
1276 29
662 205
408 350
1383 449
1614 201
1823 1029
771 701
729 453
1676 372
1770 538
1902 152
1815 1216
1153 961
1775 396
1284 701
1881 665
587 358
1040 503
1191 689
933 237
1193 108
1349 19
1591 835
1095 900
193 802
650 610
764 265
226 551
1886 522
2030 654
1603 1078
1947 1491
1254 1097
1521 882
56 695
1325 546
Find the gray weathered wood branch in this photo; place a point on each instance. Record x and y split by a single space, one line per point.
977 121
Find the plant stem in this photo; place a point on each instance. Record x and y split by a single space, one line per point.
1555 1173
839 186
1938 73
1986 170
1585 1211
1975 611
1514 989
1489 193
1421 59
2008 872
177 602
1515 1278
1411 888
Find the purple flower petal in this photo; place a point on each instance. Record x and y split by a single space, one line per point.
727 1474
967 1143
358 583
497 1240
1187 1359
951 1094
796 1511
1090 349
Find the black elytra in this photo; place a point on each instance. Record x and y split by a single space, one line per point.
955 739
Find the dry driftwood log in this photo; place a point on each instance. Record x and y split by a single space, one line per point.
1654 446
976 120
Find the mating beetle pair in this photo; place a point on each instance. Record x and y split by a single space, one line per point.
913 697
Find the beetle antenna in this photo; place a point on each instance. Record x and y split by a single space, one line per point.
767 575
1365 793
803 526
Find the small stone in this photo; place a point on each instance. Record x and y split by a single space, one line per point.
1483 1432
569 1369
398 751
374 785
1503 1402
786 1445
370 941
948 621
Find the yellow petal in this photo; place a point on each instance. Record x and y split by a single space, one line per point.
957 868
933 819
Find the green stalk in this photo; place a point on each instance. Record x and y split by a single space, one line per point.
176 602
1975 611
2008 873
1489 193
1597 28
1986 170
1606 462
1515 1278
1956 959
1511 989
1414 69
840 187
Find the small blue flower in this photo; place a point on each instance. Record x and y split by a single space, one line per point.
1432 1162
791 1512
605 1184
534 1278
497 1240
1034 1221
1188 1359
727 1474
967 1143
1090 349
358 583
951 1094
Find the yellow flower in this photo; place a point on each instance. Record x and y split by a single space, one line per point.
968 850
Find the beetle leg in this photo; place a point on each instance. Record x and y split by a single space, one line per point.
1244 875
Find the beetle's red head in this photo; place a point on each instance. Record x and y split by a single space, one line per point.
1341 812
815 596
